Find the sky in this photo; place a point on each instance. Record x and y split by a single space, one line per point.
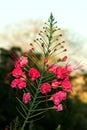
70 14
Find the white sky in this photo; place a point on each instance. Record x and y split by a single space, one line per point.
71 14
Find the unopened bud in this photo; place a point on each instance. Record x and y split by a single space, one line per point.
55 49
59 43
42 45
45 60
31 44
65 50
60 35
64 59
25 53
63 41
49 50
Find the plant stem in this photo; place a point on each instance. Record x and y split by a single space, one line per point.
33 102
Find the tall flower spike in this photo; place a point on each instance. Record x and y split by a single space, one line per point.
38 75
49 42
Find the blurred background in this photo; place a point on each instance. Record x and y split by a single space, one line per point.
20 22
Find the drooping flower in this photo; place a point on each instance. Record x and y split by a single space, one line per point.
18 83
60 73
22 62
58 107
21 84
14 83
69 68
55 83
52 69
66 85
34 74
17 73
26 98
45 88
58 97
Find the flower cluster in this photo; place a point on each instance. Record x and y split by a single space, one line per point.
44 84
61 82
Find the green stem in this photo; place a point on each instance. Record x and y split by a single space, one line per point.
32 105
48 108
50 35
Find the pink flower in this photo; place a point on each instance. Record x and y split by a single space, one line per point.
66 85
14 83
22 62
69 69
26 98
21 84
58 97
18 83
52 69
55 83
17 73
58 108
34 74
60 73
45 88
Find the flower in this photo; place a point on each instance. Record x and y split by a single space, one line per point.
45 88
14 83
60 73
34 74
58 108
26 98
58 97
52 69
22 62
66 85
55 83
17 73
39 72
18 83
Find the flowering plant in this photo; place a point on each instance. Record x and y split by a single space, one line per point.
42 79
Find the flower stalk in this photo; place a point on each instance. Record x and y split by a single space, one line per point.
44 84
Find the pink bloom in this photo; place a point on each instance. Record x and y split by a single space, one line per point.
58 108
55 83
69 69
21 84
22 62
26 98
66 86
45 88
60 73
17 73
58 97
52 69
34 74
14 83
18 83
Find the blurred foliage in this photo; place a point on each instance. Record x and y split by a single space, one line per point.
74 116
7 96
